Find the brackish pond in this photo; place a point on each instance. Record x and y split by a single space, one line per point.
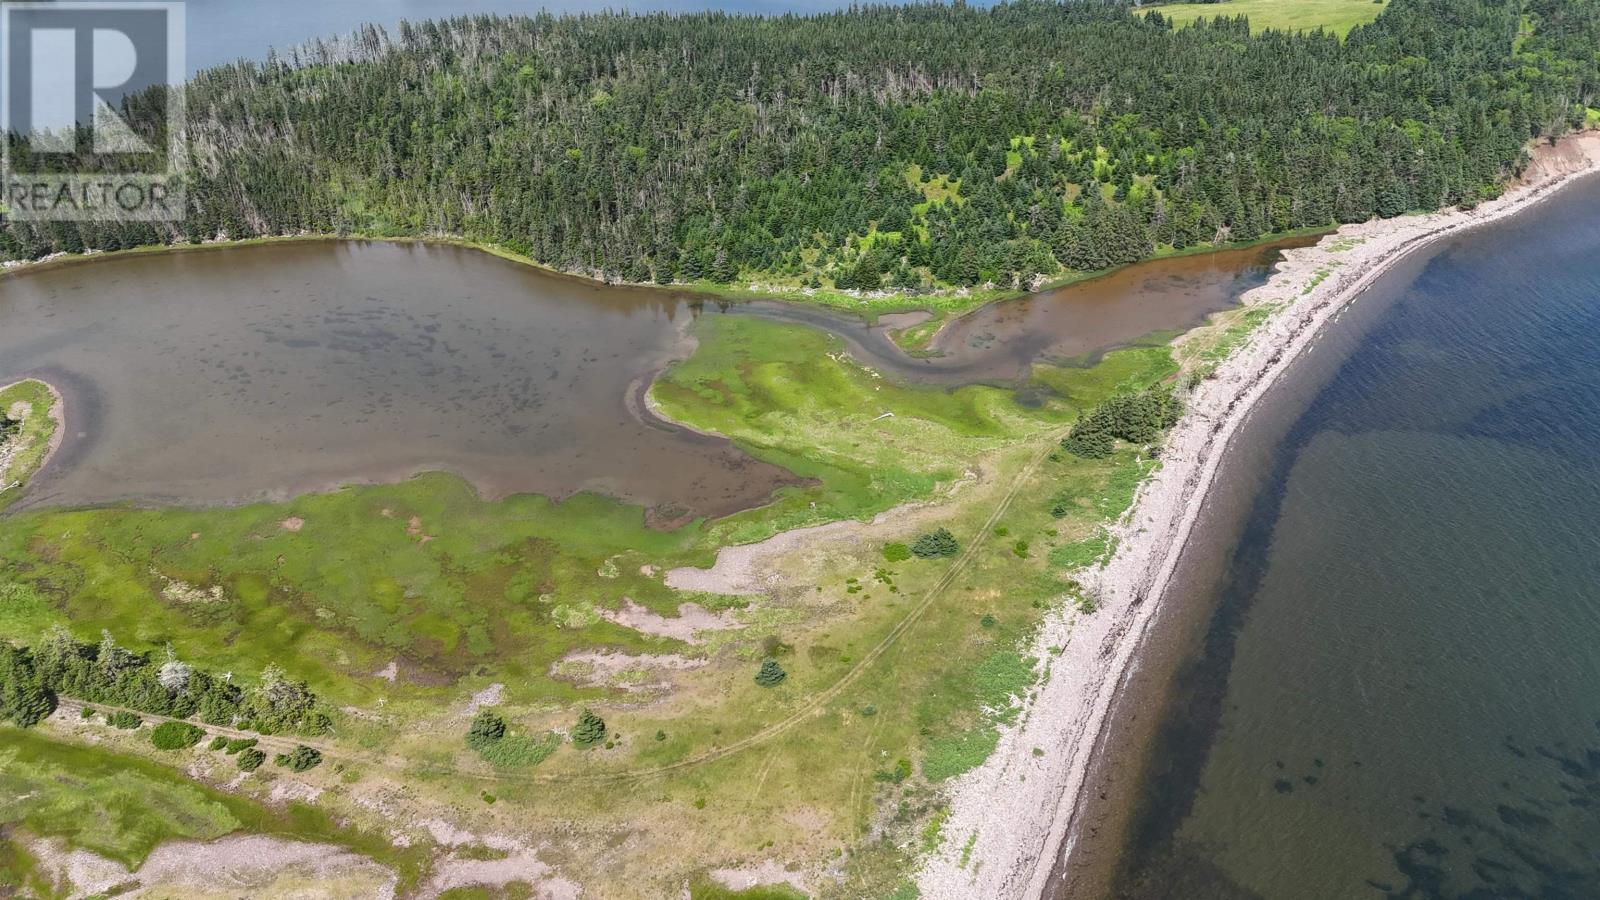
1398 694
998 342
228 375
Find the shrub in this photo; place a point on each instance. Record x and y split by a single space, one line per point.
900 772
176 736
949 756
591 729
486 729
237 744
771 674
250 759
315 723
936 543
300 759
217 743
86 713
896 552
124 719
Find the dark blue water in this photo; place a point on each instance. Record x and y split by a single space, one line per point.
1399 693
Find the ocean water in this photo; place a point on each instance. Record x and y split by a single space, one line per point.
1398 693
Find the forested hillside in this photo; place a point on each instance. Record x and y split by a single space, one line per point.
894 147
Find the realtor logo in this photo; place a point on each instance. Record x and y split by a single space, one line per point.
70 72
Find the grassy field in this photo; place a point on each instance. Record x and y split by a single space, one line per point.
1336 16
898 671
121 806
789 395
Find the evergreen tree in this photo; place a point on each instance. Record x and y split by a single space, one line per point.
591 729
24 700
722 271
1095 135
771 674
936 543
487 728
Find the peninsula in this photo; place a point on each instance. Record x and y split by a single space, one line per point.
613 455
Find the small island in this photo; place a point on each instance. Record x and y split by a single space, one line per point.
30 431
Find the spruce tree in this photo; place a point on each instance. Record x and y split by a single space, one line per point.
591 729
771 674
24 701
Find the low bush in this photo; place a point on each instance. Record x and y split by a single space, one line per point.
900 772
896 552
176 736
250 759
217 743
300 759
237 744
952 755
124 719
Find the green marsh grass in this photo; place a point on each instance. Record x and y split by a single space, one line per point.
501 590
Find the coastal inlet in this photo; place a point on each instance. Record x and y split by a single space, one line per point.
230 375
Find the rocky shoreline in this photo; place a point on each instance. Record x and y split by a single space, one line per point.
1014 817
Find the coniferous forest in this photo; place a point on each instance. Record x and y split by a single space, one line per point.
880 147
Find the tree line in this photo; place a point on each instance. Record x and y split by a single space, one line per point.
59 665
879 147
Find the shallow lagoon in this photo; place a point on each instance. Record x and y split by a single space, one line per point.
262 372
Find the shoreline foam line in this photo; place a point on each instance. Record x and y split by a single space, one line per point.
1016 815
